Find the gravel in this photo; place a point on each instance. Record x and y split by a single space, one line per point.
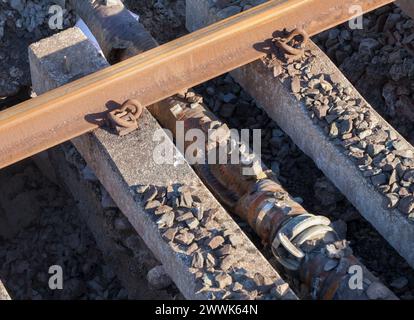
301 178
379 61
375 149
22 23
209 252
86 276
57 236
165 19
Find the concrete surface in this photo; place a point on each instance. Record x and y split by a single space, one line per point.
130 266
123 164
3 292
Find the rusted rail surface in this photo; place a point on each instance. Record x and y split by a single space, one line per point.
407 6
78 107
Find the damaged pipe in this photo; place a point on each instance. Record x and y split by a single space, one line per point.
304 244
118 33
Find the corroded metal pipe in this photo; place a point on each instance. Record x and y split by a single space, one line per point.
116 30
281 223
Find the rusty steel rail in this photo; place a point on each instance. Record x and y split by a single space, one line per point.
79 107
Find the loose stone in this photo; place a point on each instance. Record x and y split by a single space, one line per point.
225 250
163 209
237 286
167 220
280 290
321 111
198 213
193 247
185 216
227 262
406 204
210 260
216 242
405 153
393 178
333 131
392 200
295 84
345 126
170 234
192 223
374 149
235 240
363 134
207 280
223 280
185 238
198 260
201 233
186 200
150 194
152 205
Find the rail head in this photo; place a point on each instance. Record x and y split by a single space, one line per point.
78 107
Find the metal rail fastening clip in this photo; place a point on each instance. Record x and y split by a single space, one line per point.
125 118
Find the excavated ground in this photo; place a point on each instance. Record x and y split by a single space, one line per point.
377 70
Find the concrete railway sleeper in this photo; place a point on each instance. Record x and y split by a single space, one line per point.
367 159
159 199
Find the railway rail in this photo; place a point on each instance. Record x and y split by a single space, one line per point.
151 76
77 108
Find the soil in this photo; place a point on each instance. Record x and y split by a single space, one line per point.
55 236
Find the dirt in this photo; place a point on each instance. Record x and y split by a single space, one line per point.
379 61
55 235
165 19
21 23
